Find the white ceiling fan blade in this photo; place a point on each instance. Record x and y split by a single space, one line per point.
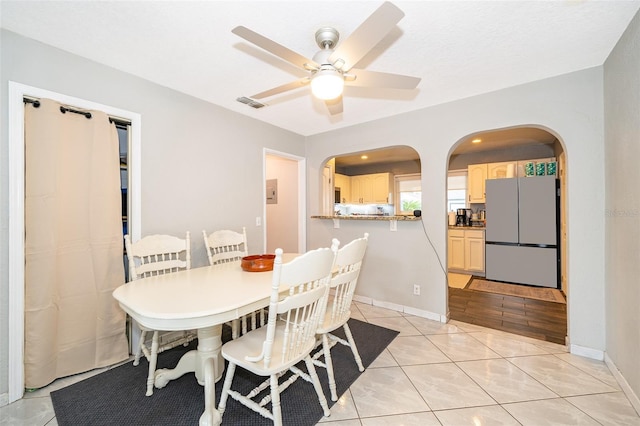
366 78
366 36
284 88
334 105
274 48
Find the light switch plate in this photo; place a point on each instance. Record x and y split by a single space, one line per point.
393 225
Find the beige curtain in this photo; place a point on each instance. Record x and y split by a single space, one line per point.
73 244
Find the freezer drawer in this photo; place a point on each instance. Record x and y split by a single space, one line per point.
522 265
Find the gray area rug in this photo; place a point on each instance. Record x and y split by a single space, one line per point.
117 396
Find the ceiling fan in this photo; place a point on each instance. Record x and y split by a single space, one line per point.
332 67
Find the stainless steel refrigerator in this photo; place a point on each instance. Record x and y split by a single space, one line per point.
522 231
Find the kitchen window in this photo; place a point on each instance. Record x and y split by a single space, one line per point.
408 193
456 190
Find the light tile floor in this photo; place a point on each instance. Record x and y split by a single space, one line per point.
447 375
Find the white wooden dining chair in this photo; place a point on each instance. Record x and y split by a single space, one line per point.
156 255
338 310
227 246
289 336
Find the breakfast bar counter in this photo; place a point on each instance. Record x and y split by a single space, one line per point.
368 217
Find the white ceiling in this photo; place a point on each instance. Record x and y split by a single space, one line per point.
458 48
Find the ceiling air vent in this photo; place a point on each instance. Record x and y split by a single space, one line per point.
250 102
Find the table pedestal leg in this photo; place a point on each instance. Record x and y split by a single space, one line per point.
209 344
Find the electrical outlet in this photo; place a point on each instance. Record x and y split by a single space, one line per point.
416 289
258 221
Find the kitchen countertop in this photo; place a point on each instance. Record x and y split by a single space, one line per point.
368 217
479 228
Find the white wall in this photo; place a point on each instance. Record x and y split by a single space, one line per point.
570 106
202 165
621 210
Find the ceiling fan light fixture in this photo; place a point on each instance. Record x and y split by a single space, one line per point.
328 70
327 84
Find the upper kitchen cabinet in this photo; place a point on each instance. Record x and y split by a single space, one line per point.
501 170
343 183
373 188
476 175
358 190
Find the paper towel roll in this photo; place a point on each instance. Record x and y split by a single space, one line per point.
452 218
511 170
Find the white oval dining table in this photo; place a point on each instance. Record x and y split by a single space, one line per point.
199 299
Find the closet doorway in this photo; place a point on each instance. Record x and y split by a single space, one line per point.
17 92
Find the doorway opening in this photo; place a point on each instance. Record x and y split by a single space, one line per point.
17 92
526 153
285 208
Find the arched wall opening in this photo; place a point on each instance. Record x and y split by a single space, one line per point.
514 152
397 193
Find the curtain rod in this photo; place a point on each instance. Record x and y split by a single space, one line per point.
64 110
117 121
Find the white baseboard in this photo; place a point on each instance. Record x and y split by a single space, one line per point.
401 308
4 399
587 352
388 305
362 299
425 314
633 398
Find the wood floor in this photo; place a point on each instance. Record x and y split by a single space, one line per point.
519 315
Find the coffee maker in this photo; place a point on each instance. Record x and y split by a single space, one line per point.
463 217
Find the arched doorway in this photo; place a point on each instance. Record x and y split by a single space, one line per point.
501 301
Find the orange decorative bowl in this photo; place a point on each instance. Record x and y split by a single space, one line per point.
258 262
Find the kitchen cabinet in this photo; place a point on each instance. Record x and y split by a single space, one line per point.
455 249
476 175
358 189
382 187
371 189
465 251
474 250
344 183
499 170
